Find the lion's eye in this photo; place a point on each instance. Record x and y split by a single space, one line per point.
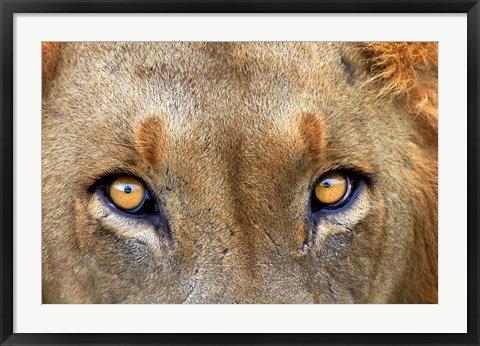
127 193
332 191
129 197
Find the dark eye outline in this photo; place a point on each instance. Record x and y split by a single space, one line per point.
349 196
148 209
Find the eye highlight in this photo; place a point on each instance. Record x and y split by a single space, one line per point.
127 193
332 191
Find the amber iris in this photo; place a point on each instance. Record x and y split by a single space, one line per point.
127 193
331 188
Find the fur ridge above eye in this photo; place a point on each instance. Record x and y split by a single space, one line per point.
332 191
127 193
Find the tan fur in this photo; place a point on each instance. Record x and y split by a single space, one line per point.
230 139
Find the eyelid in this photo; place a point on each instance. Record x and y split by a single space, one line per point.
99 177
116 221
355 174
111 175
344 218
354 166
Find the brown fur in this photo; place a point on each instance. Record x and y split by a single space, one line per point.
149 140
230 139
409 70
313 134
50 59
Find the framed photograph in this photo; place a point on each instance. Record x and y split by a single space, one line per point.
239 173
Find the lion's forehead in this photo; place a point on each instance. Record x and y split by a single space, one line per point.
247 88
211 79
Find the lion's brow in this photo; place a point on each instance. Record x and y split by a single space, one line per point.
312 131
150 140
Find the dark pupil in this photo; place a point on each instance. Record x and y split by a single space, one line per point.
127 189
326 183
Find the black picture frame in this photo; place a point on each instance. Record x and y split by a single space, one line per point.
9 7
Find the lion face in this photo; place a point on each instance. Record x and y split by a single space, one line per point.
234 173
